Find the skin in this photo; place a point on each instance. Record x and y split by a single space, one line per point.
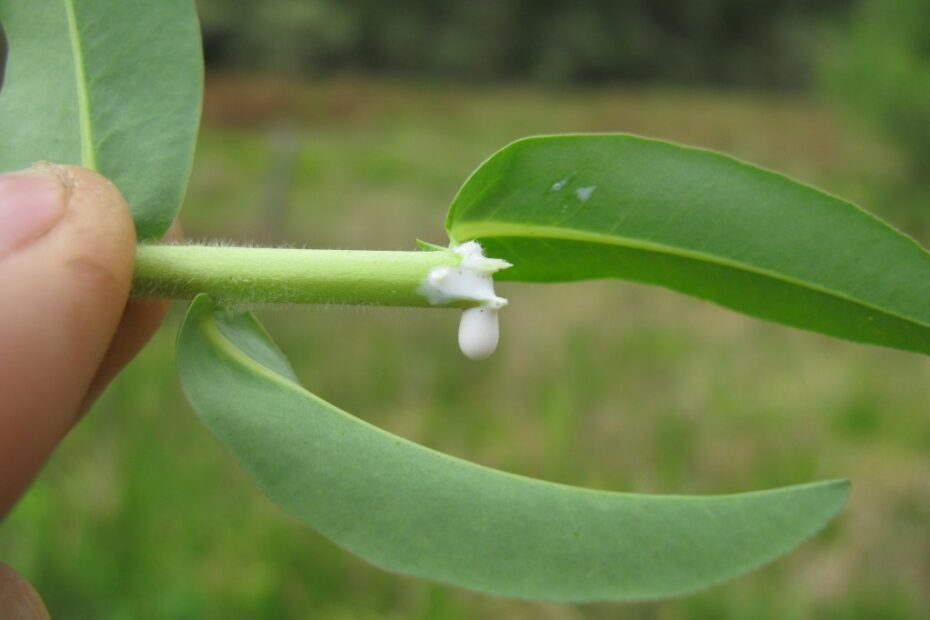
67 325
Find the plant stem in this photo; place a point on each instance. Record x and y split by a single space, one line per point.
278 275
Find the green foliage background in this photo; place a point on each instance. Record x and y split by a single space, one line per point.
880 67
877 68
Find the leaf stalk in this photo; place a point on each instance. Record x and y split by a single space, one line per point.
231 274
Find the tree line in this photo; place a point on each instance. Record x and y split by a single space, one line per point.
754 43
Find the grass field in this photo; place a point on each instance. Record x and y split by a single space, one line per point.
606 384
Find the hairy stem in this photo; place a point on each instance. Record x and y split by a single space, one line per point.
278 275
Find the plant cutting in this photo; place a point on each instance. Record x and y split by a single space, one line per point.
122 84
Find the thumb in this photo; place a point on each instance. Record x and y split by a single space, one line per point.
67 245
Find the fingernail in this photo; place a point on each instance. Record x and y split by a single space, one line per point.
31 203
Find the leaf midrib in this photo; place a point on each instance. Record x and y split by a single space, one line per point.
478 230
88 156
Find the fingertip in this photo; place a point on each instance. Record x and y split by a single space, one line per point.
18 599
64 295
139 322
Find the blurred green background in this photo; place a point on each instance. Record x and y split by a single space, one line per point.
351 125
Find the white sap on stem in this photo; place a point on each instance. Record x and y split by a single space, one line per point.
470 281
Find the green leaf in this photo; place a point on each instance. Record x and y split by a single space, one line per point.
113 85
415 511
426 246
564 208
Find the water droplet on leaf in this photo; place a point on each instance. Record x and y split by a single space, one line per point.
583 193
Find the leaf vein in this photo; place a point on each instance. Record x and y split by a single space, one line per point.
88 155
497 230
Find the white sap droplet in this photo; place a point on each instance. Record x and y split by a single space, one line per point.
583 193
479 332
558 185
471 280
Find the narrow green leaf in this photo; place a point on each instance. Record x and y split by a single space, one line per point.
564 208
426 246
415 511
113 85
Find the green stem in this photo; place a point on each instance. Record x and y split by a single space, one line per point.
278 275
